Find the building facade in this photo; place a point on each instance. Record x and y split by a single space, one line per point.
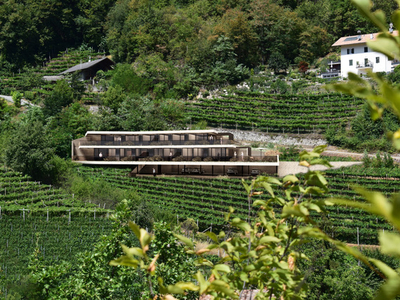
201 152
358 58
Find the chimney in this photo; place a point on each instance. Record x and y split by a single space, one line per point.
359 35
372 36
391 28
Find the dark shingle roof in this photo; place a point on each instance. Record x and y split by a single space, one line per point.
84 66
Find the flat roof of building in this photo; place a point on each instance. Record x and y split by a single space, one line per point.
182 163
155 132
216 145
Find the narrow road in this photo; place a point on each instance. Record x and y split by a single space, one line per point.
292 167
23 101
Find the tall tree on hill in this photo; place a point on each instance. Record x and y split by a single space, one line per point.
235 25
278 29
91 21
30 29
29 151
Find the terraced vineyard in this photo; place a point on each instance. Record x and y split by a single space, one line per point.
19 192
66 225
275 113
59 239
206 200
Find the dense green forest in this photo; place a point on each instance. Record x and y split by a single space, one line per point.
199 37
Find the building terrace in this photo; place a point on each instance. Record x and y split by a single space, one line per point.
206 152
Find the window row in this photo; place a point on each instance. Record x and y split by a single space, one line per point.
366 61
351 51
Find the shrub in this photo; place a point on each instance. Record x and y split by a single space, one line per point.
189 225
366 159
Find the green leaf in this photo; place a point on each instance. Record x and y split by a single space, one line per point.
244 277
125 261
389 290
269 189
145 239
223 287
222 268
364 7
241 224
269 239
321 161
203 284
135 228
187 286
388 271
390 243
290 178
246 186
184 240
212 236
133 251
387 46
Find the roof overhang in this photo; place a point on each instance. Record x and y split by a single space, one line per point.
182 163
154 132
159 147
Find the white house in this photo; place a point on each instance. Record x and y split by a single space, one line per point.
358 58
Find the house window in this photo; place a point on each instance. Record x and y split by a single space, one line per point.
348 51
350 62
352 50
365 49
366 62
377 60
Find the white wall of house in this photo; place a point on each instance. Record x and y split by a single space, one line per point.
360 58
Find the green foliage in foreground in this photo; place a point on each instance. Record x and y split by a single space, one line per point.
88 276
264 255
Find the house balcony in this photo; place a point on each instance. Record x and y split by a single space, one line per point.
156 143
364 66
180 158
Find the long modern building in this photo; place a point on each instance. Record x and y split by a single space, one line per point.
193 152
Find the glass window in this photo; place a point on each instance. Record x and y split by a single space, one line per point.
350 62
352 50
366 62
377 60
348 51
365 49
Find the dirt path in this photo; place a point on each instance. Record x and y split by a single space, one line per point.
289 167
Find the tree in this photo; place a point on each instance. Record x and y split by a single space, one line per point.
234 24
29 151
277 62
69 124
61 96
278 29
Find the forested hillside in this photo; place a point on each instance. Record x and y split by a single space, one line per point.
195 36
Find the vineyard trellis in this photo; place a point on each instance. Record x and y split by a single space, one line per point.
275 113
207 200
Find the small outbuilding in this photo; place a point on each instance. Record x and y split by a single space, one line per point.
89 69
